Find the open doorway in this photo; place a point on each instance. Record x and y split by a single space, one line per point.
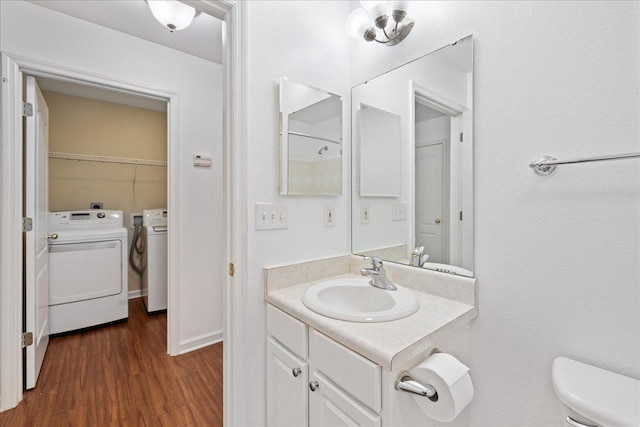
432 152
440 157
183 334
95 176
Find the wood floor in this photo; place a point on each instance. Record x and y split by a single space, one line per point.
120 375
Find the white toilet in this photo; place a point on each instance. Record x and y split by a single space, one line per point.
594 396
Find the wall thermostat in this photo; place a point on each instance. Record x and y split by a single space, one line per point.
202 160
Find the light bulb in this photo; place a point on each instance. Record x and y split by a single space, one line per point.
358 24
172 14
400 5
375 8
399 9
377 11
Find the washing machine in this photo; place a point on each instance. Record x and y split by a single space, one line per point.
154 275
88 282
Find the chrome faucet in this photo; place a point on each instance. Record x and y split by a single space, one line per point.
378 276
418 258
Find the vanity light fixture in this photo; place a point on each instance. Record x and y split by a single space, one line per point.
375 14
172 14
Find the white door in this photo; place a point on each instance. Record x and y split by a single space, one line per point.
36 241
330 406
430 218
287 382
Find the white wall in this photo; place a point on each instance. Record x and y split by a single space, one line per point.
35 32
557 258
306 42
432 130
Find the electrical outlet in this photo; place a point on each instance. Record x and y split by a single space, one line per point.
271 216
329 216
136 219
364 214
398 211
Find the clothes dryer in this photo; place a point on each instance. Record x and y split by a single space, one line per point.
154 275
88 282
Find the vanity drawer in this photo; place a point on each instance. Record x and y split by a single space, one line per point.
358 376
288 330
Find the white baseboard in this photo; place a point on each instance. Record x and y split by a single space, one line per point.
137 293
201 341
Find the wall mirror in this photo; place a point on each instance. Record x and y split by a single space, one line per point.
310 140
412 133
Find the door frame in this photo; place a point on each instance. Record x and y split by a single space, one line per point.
233 14
419 93
19 67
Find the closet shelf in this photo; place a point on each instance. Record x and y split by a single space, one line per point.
105 159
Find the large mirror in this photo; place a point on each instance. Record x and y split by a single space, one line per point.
412 133
310 140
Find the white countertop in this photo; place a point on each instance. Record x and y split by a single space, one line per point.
389 344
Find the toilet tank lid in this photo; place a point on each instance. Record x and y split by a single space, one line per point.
602 396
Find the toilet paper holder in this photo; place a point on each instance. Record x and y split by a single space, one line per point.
405 382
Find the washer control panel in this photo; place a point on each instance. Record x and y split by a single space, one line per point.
154 217
94 218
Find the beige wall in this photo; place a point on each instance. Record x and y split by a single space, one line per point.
85 126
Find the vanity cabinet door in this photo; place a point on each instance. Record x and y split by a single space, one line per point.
287 392
330 406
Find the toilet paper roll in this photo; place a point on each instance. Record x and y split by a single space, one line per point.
451 379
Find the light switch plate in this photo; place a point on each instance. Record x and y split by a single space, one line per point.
398 211
272 216
329 216
202 160
364 214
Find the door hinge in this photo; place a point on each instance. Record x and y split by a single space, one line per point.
460 215
27 224
27 339
232 269
461 136
27 109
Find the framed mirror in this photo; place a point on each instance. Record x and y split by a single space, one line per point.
412 133
310 140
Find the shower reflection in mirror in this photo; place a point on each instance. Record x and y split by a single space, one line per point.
310 140
413 162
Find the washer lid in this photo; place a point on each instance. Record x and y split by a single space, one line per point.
156 229
602 396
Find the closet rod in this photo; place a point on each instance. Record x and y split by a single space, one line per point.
314 137
106 159
546 165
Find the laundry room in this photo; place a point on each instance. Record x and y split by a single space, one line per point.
107 167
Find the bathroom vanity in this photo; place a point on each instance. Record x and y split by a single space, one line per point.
324 371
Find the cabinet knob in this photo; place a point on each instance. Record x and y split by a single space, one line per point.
296 372
52 236
437 221
313 385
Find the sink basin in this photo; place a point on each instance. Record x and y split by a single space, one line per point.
355 300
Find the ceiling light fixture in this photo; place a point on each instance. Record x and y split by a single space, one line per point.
362 22
172 14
